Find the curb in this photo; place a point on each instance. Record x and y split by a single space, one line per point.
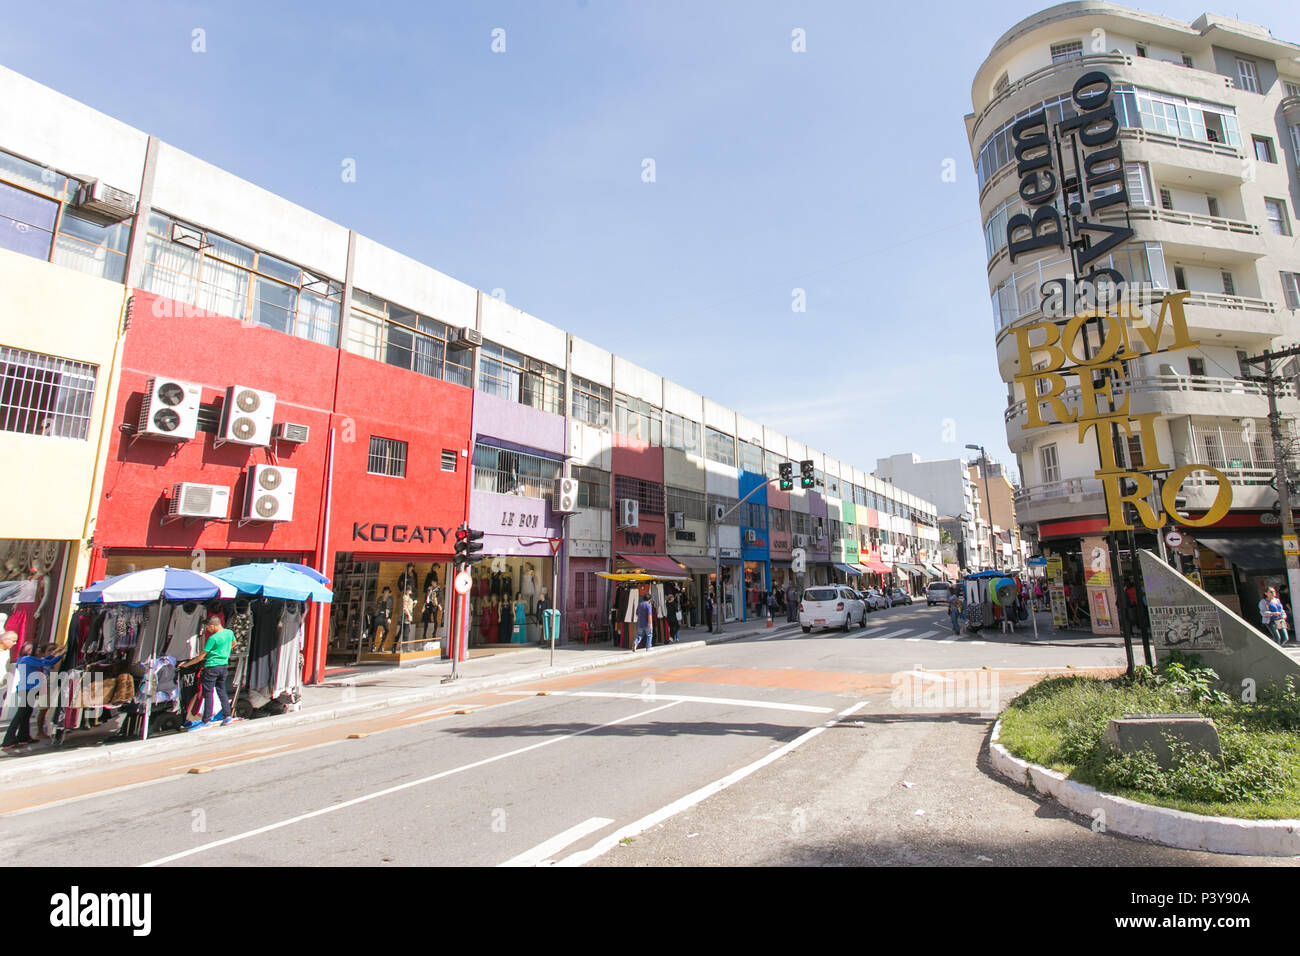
1174 828
29 769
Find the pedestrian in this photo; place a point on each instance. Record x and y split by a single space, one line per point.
31 686
791 604
644 612
771 605
688 609
954 610
1273 615
671 607
709 609
215 658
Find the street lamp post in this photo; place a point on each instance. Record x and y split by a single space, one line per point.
988 502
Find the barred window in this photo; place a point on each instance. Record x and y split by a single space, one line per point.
719 447
649 495
836 530
750 457
1069 50
387 457
681 433
801 522
637 419
448 459
727 503
593 487
753 515
45 395
591 402
514 473
689 503
779 519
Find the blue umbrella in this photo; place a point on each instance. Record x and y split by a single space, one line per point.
276 580
309 571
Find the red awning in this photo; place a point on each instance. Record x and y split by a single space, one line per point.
660 565
875 567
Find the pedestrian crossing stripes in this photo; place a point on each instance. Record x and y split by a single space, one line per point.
939 637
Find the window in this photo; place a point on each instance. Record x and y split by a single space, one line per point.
1166 198
1138 181
1187 60
1176 115
1291 289
1275 210
519 378
859 496
514 473
448 460
719 447
593 487
649 495
800 523
1180 278
387 457
1292 89
1049 468
637 419
1263 149
1069 50
1229 288
753 515
591 402
779 520
1141 51
1295 142
681 433
386 332
45 395
1212 205
1003 82
218 275
1196 366
750 457
690 504
1248 78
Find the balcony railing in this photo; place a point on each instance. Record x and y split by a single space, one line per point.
1289 103
1217 300
1079 64
1056 490
1182 142
1175 383
1153 213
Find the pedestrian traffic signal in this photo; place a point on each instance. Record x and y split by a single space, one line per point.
787 476
806 474
467 542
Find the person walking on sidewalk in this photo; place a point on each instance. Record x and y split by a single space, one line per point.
644 612
954 610
215 659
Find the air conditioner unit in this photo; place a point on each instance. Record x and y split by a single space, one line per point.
564 495
750 535
170 410
287 431
799 540
247 416
468 336
534 365
718 511
190 500
629 513
105 202
269 493
676 521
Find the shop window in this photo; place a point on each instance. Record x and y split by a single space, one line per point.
387 457
448 459
45 395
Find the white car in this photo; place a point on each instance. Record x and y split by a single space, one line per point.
875 600
831 606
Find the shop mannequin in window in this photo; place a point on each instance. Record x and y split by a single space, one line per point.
429 616
520 634
506 623
408 580
383 619
431 577
528 587
543 605
408 617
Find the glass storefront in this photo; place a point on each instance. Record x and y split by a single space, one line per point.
31 591
756 590
388 607
508 594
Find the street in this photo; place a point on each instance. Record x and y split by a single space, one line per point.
780 749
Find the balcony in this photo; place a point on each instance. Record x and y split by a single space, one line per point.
1233 240
1079 65
1290 109
1053 500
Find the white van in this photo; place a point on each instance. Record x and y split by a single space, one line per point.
937 592
831 606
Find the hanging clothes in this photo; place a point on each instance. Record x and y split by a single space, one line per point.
240 623
520 633
263 653
505 625
291 627
183 631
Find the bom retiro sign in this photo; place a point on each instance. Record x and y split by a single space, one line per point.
1071 173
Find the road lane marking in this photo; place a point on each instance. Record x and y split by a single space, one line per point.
604 845
906 630
543 852
394 789
683 698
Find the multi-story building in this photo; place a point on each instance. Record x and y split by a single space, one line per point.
946 483
1209 125
197 372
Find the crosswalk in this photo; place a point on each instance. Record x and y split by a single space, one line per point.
879 633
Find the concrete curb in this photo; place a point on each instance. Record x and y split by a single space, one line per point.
1175 828
26 769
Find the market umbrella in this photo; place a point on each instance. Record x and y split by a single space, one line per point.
309 571
156 584
277 580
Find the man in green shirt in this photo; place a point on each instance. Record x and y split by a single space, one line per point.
215 658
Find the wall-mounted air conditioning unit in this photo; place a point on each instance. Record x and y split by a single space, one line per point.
676 521
288 431
468 336
170 409
717 512
799 540
534 365
105 202
564 496
751 536
190 500
269 493
629 513
247 416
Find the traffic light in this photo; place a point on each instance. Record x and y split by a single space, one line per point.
467 542
787 476
806 474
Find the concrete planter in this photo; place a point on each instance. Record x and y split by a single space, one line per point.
1186 831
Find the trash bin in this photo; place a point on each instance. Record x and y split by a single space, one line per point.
550 625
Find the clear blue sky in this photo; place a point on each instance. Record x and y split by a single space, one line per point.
522 171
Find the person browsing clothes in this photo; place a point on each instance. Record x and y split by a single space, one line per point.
215 659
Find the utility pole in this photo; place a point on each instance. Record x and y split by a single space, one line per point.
1282 468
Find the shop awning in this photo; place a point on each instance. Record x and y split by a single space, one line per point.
660 565
938 571
909 568
1253 552
848 569
694 562
875 567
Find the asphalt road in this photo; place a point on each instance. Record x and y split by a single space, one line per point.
782 749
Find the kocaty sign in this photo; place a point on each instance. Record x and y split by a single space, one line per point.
398 533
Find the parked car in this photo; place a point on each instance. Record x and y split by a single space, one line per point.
899 596
831 606
937 592
862 596
876 598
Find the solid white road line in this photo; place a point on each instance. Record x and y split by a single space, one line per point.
544 851
737 701
708 790
395 789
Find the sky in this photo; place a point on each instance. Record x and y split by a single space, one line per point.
673 181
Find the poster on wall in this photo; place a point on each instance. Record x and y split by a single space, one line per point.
1100 585
1055 571
1060 614
1186 627
1103 620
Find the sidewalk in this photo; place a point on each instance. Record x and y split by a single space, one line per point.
361 690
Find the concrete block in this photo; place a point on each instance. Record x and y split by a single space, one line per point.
1140 732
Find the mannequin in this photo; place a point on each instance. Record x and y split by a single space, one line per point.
543 605
520 633
407 581
528 587
505 623
408 616
429 616
431 577
13 570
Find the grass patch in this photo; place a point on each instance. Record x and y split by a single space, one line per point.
1059 722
